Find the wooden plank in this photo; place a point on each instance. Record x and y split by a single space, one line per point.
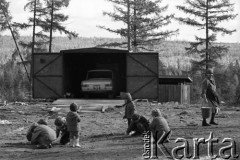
89 102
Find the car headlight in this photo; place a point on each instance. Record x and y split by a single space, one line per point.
108 85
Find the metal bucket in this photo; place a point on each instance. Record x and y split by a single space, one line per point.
206 112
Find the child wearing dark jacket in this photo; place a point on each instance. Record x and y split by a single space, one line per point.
61 130
130 108
73 125
139 125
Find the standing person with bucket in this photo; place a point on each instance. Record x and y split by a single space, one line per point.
210 97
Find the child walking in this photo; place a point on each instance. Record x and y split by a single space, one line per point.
73 125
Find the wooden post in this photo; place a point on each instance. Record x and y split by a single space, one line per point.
51 28
128 24
134 29
207 39
33 45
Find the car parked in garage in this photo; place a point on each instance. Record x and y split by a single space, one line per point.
98 81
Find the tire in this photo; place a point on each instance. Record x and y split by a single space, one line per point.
86 95
110 95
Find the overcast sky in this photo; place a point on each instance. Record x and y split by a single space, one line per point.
85 15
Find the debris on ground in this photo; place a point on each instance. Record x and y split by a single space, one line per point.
5 122
4 103
20 112
20 103
222 116
55 109
183 113
192 124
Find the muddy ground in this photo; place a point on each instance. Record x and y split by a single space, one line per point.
103 134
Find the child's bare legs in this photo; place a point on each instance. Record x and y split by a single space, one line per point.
77 140
74 139
71 138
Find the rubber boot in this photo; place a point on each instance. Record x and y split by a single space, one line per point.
204 123
77 142
71 142
212 119
74 142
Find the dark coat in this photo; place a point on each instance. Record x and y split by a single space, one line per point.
130 109
139 126
43 135
65 138
211 93
209 88
62 129
73 120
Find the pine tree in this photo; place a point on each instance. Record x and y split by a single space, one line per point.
47 20
38 23
55 19
146 23
4 13
207 15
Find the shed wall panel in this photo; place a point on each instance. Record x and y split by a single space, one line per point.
48 87
142 87
47 64
142 75
47 75
170 93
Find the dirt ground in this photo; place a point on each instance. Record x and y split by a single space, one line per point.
103 134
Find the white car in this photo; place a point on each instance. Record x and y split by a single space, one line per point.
98 82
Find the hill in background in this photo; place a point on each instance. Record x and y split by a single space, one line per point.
172 51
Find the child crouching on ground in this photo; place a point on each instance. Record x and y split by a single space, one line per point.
41 135
73 125
61 130
138 125
159 127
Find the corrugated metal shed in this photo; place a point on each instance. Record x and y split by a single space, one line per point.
59 73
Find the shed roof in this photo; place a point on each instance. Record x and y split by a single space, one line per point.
167 79
94 50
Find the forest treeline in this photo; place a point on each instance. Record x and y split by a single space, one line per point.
167 49
173 61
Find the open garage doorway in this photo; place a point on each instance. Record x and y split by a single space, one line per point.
76 64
